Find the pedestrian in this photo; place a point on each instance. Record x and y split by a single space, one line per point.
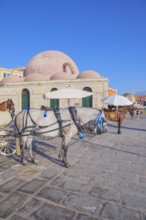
137 113
99 121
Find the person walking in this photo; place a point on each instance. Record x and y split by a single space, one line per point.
137 113
99 121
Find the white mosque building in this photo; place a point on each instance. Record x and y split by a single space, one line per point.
49 71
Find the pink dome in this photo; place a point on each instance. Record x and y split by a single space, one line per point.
89 74
61 76
48 63
12 78
36 77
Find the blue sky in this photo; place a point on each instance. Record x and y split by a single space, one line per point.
107 36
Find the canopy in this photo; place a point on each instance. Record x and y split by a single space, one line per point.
67 93
117 100
136 105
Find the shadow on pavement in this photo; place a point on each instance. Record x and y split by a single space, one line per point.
136 129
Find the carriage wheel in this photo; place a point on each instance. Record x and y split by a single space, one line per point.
7 148
90 134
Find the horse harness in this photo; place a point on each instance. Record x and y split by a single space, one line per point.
74 116
73 113
59 120
27 115
34 125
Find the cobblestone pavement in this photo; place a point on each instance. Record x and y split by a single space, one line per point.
106 180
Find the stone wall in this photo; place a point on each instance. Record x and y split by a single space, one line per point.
38 89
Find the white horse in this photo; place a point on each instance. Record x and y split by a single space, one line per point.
31 122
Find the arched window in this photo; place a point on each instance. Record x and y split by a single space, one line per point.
25 98
87 101
54 102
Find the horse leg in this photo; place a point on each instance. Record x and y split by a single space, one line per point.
61 152
29 146
66 164
65 142
22 145
119 126
65 150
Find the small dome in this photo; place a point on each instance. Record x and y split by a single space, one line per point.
36 77
12 78
61 76
89 74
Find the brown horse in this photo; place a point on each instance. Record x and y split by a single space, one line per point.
7 105
118 115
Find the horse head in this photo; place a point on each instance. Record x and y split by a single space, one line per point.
10 106
131 110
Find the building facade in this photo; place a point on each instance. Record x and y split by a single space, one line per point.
141 100
112 91
4 72
49 71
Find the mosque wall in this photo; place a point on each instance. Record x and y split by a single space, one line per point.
51 70
38 89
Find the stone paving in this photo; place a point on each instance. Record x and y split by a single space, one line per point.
106 180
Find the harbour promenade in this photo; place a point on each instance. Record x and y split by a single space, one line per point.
106 180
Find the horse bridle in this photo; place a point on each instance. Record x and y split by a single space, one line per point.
8 106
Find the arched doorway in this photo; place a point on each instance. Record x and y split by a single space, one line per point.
87 101
54 102
25 98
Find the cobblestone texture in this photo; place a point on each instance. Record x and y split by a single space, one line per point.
106 180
